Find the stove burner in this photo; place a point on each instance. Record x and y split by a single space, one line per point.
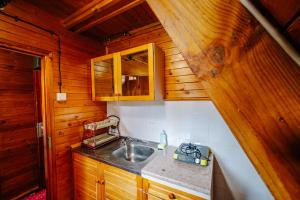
189 149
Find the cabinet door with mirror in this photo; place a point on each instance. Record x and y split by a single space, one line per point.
104 78
133 74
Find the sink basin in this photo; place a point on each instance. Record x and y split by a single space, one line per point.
133 152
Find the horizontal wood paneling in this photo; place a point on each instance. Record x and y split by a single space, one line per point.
180 81
18 142
70 115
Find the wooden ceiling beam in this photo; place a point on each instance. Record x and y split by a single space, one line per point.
87 11
110 15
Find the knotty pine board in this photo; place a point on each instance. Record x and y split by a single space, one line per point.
253 83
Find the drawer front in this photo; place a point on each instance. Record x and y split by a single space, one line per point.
120 184
153 190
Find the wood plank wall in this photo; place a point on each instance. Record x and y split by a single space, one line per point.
180 82
18 141
68 116
254 84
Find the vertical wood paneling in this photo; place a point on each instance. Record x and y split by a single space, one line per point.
69 115
180 82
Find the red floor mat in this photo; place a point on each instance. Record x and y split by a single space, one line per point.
41 195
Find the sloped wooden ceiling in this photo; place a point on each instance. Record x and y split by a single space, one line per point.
283 14
250 79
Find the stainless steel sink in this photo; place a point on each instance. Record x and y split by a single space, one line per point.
133 152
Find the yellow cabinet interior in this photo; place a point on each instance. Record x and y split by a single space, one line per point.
95 180
133 74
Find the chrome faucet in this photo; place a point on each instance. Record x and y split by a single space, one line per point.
126 141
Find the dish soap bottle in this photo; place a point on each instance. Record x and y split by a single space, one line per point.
163 140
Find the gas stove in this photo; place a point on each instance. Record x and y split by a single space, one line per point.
192 153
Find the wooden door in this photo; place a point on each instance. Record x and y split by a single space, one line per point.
136 67
119 184
19 171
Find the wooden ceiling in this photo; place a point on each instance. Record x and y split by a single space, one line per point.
100 19
59 8
284 15
103 19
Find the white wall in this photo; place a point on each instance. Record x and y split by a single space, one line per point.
194 121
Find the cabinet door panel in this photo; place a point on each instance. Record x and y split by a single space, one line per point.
85 178
104 77
136 73
120 184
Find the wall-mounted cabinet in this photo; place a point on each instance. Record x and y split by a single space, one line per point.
133 74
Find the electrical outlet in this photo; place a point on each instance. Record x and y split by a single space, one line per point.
61 96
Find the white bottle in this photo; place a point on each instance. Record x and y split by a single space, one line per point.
163 140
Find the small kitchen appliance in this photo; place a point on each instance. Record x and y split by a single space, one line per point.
192 153
97 134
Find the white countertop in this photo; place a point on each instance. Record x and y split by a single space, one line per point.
186 177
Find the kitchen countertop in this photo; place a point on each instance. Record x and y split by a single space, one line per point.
159 167
190 178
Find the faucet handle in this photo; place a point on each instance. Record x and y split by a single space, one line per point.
129 139
123 141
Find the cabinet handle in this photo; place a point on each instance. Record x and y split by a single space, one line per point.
172 196
102 182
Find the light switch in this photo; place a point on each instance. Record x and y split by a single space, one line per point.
61 96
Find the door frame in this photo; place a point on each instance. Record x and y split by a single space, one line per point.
47 101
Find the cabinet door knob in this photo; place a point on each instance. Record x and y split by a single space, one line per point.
172 196
102 182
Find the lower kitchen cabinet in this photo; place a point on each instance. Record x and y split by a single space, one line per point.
94 180
120 184
156 191
86 178
99 181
